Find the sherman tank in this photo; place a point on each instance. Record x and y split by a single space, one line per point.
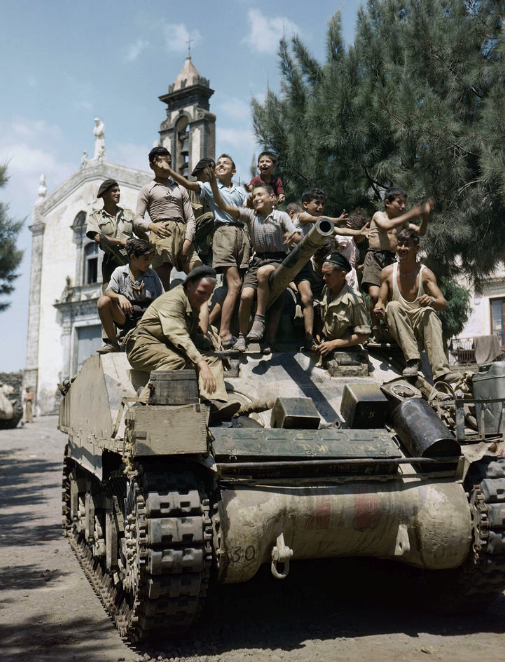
341 458
11 409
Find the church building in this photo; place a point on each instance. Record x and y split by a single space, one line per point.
65 280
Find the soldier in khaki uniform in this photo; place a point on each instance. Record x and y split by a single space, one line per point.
168 337
343 314
115 223
409 297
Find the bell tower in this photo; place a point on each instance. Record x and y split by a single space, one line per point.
189 132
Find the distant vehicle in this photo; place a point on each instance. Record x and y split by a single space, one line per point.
11 410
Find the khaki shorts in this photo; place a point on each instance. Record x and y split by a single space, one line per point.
230 247
374 263
168 249
260 260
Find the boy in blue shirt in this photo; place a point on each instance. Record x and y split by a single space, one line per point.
230 245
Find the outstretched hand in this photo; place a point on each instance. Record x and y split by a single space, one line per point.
211 175
290 237
428 206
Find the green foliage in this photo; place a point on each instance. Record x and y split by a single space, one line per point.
418 101
457 314
10 257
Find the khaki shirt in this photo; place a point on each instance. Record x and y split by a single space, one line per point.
343 315
172 319
118 227
165 200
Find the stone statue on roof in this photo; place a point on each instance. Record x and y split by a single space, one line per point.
99 133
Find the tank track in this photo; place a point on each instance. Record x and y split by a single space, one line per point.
164 558
481 579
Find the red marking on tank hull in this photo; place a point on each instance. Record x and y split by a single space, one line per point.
322 512
365 511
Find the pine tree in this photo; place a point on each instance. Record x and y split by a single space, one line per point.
10 257
418 101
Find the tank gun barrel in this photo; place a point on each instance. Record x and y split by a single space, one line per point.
298 258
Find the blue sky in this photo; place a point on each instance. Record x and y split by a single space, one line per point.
65 63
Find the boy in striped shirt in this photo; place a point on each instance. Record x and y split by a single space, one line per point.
271 232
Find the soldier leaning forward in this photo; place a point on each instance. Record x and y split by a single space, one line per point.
115 224
168 337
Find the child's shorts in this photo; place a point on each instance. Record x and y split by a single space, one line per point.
374 263
230 246
168 249
260 260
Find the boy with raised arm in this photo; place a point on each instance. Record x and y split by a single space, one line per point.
271 232
172 220
230 246
384 229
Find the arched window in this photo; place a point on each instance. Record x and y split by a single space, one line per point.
182 146
79 220
91 263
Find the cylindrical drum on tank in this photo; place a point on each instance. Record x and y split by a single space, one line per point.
489 384
422 432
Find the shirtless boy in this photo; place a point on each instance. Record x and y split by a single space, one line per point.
384 229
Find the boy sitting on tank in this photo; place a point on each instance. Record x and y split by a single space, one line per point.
313 201
382 238
169 337
343 315
409 298
131 289
271 232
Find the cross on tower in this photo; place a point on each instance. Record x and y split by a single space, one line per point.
189 45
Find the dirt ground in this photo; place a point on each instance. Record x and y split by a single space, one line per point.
331 610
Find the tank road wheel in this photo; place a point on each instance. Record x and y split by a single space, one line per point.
481 579
166 552
17 415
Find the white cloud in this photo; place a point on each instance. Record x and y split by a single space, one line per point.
136 49
238 138
177 36
30 149
36 128
241 145
267 31
235 108
83 104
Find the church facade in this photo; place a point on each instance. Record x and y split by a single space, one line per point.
65 280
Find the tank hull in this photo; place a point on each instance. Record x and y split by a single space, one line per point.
425 524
